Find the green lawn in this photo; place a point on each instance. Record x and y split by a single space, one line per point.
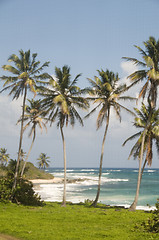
75 222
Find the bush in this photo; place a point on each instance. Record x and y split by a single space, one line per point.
5 189
152 224
23 194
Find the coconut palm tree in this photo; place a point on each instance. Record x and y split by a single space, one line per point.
147 120
43 161
61 100
33 116
4 156
22 155
149 72
24 76
106 93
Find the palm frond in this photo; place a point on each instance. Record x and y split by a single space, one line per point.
131 138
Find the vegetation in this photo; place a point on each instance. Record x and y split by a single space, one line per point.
4 156
152 224
150 74
61 100
31 172
77 221
143 121
106 93
33 117
24 77
22 194
43 161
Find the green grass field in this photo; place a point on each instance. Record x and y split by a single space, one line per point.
75 222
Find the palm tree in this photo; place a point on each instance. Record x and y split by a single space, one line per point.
43 161
147 120
106 92
33 115
22 155
149 74
25 76
4 157
60 103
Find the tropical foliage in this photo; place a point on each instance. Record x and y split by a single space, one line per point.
4 156
61 102
43 161
152 224
62 99
33 117
147 120
149 72
106 92
24 76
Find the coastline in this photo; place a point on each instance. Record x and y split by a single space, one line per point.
57 180
47 181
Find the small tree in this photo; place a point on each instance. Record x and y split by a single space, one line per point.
33 117
147 120
43 161
4 156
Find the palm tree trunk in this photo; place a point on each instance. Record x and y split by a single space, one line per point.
64 155
20 141
101 161
24 165
133 205
143 167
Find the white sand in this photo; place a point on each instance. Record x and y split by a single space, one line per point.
45 181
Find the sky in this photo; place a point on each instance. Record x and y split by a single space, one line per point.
86 35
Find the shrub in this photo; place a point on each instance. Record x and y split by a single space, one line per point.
152 224
23 194
5 189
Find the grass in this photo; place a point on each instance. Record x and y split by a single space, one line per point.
75 222
31 172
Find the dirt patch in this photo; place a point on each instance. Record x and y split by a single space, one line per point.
7 237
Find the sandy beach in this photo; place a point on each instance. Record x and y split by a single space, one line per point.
47 181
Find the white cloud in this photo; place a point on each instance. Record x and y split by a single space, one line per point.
128 68
10 113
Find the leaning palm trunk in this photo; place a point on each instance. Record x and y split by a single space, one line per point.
64 154
143 167
101 162
20 142
133 205
24 165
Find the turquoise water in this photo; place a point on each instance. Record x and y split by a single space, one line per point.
118 186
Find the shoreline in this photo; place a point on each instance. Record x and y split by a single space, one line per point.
47 181
57 180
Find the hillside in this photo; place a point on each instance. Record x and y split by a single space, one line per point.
32 172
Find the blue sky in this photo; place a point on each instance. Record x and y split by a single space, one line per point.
86 35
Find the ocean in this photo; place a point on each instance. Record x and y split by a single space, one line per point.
118 186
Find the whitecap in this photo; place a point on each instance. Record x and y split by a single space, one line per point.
114 170
115 180
87 170
151 171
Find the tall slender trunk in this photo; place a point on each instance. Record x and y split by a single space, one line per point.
101 161
64 155
20 141
143 167
133 205
24 165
